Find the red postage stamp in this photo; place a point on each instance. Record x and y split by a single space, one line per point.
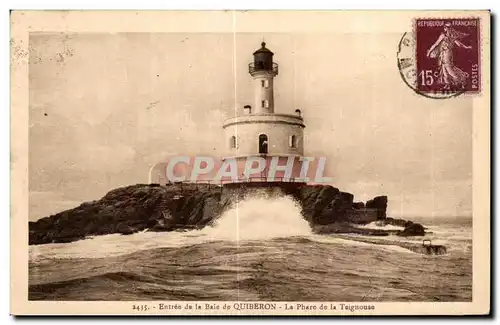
447 55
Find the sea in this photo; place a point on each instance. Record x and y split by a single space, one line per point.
260 249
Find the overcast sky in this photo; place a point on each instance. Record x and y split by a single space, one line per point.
104 108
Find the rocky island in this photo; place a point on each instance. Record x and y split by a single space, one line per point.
177 207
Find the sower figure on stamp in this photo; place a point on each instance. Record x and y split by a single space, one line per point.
449 73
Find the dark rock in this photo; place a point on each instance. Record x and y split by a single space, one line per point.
124 210
344 228
408 223
347 199
160 228
128 229
315 199
379 203
358 205
135 208
413 229
395 222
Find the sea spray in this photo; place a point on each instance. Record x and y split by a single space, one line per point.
380 226
245 220
260 217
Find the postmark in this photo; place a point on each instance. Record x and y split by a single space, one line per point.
440 59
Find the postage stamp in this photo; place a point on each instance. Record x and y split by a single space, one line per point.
447 55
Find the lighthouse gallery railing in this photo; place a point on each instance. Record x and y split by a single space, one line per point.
253 66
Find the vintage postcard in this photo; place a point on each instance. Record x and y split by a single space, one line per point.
250 162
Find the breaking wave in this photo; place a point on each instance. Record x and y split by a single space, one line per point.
250 255
378 225
245 221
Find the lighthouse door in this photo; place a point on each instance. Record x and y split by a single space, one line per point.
263 144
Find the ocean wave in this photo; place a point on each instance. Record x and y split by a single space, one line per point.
378 226
247 223
243 222
363 241
337 267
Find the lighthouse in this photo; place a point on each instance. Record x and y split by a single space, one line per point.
264 145
260 130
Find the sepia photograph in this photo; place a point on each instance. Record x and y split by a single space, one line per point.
251 168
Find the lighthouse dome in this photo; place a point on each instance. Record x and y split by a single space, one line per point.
263 49
263 60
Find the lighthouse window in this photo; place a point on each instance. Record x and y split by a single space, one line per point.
262 83
293 141
263 103
263 144
232 142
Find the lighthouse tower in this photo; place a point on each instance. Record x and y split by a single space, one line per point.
262 132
